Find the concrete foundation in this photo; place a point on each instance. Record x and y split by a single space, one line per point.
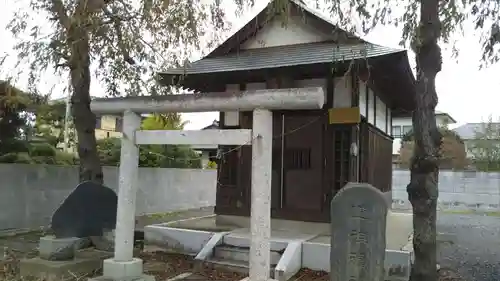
296 226
123 270
85 263
302 244
144 277
3 257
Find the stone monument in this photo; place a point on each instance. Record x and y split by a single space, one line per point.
88 211
358 229
87 217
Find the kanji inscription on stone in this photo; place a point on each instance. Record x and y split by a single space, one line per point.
358 229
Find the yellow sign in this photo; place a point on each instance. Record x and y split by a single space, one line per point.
346 115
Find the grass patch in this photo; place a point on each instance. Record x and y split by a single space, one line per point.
158 216
473 212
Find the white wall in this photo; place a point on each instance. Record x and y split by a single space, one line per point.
275 34
342 92
232 118
398 122
375 110
381 115
362 99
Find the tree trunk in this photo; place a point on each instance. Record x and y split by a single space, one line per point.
84 119
423 186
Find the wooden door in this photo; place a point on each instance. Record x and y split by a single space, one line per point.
277 173
302 188
234 176
230 195
341 155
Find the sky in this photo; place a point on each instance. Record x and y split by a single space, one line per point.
465 92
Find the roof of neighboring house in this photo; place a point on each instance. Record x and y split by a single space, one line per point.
214 125
438 113
469 130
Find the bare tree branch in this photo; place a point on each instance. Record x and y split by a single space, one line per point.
58 9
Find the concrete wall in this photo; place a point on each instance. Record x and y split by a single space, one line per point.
29 194
476 191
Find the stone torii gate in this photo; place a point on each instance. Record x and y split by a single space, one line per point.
123 266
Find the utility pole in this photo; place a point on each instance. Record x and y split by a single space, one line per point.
67 117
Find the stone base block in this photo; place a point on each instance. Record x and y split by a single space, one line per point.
50 244
119 270
3 261
85 263
143 277
123 271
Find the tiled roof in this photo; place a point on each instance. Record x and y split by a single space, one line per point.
407 115
283 56
214 125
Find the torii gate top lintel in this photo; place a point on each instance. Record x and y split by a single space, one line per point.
271 99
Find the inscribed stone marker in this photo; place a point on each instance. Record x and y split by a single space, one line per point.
358 229
88 211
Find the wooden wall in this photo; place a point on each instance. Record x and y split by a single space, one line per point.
375 152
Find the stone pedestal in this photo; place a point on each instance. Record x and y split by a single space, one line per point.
123 270
49 246
70 261
85 263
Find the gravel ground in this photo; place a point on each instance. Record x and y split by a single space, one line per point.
476 253
165 265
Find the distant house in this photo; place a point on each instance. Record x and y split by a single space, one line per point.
208 152
470 131
402 124
108 126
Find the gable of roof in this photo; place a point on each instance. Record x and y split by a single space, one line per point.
265 16
468 131
227 57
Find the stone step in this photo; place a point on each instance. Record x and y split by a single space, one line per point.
228 252
233 265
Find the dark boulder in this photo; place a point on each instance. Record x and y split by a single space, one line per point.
87 211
